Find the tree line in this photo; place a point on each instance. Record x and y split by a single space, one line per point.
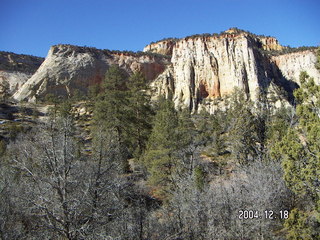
155 172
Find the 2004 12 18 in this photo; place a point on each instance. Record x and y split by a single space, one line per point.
266 214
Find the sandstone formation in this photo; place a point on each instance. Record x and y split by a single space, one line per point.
68 68
204 68
12 81
161 47
196 71
16 69
165 46
292 64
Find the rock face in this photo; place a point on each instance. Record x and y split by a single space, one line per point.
196 71
292 64
204 68
161 47
16 69
12 81
68 68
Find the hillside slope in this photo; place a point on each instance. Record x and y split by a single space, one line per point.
16 69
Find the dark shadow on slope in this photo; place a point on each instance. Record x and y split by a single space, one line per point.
269 73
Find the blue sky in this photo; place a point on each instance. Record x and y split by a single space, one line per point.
32 26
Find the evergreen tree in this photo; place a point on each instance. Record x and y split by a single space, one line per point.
4 92
243 128
318 59
204 127
188 144
300 150
112 107
160 155
210 135
142 113
199 176
65 109
187 133
3 147
124 107
112 112
279 124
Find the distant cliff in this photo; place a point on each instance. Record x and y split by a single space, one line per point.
16 69
208 67
67 68
196 71
291 64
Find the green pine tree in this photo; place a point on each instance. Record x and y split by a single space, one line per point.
188 143
300 151
211 135
278 124
112 107
112 113
141 118
160 155
243 133
186 132
318 59
200 177
3 147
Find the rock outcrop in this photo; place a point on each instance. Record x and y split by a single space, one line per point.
161 47
16 69
292 64
208 67
68 68
195 71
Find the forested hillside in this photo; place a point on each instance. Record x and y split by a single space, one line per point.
127 167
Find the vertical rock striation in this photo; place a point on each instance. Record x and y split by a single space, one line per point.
292 64
202 70
207 67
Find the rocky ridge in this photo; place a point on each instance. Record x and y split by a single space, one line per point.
166 45
68 68
291 64
16 69
196 71
208 67
161 47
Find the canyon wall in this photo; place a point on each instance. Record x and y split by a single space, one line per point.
68 68
16 69
292 64
161 47
205 68
196 71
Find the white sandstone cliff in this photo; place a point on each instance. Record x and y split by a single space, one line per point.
16 69
13 80
205 68
68 68
292 64
202 70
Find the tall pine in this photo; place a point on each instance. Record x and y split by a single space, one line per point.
141 113
160 155
300 150
112 113
112 107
